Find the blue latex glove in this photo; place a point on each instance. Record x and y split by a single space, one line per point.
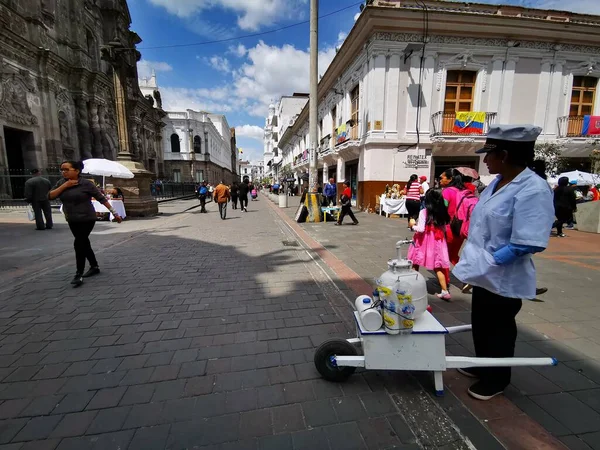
511 252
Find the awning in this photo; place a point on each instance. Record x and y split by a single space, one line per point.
456 148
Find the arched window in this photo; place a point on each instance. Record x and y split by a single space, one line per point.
175 146
197 144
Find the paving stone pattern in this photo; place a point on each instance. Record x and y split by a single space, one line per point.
197 334
564 399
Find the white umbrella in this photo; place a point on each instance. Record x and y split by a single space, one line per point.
583 178
106 168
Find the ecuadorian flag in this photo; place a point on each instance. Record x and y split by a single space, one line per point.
591 125
470 122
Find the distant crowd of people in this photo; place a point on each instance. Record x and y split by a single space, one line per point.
222 194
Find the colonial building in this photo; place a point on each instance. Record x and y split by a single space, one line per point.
414 90
198 147
57 87
281 116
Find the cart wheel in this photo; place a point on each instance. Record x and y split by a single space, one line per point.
325 361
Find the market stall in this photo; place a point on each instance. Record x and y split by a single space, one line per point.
392 205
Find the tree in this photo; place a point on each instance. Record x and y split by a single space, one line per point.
595 157
550 153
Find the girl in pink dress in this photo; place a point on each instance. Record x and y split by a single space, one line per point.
429 248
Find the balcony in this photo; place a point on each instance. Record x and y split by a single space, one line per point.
444 124
573 126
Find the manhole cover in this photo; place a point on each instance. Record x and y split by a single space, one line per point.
290 243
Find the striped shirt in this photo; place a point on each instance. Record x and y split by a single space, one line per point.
414 193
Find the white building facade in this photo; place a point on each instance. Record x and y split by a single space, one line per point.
398 99
254 171
281 116
198 147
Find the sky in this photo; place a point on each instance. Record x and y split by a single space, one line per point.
242 76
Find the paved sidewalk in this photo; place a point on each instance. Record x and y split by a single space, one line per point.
565 399
198 333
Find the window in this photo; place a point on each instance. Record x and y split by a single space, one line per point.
275 137
274 121
583 96
177 175
333 125
354 112
460 88
197 145
320 129
175 147
199 176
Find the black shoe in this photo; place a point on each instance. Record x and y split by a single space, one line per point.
481 391
77 280
93 271
355 223
540 291
470 372
337 223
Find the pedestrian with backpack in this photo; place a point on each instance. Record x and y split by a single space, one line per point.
235 192
202 194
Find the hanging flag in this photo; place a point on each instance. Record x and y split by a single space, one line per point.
341 133
469 122
591 125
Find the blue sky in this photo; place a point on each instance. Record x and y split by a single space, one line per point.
241 77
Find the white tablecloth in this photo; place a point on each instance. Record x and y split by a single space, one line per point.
392 206
118 205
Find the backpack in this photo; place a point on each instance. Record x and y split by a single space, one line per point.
461 220
203 190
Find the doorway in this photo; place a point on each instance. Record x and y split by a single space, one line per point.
19 156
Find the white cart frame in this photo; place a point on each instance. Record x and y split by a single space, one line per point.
423 349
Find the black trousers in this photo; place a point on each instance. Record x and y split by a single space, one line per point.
346 211
243 202
494 333
223 210
234 201
413 207
39 208
202 203
330 200
563 215
83 249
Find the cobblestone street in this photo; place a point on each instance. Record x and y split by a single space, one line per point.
198 333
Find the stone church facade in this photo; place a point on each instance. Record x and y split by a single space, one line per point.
57 97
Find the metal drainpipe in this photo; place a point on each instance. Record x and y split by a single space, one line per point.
552 68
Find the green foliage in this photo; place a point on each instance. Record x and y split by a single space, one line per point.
551 153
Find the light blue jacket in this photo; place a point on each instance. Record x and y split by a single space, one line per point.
505 228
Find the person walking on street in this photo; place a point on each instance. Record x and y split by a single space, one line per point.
76 193
235 192
413 192
244 188
345 200
36 194
221 197
202 194
330 192
565 205
511 222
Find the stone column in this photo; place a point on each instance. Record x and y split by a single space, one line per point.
325 173
341 175
96 130
138 199
83 128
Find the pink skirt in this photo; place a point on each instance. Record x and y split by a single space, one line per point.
428 252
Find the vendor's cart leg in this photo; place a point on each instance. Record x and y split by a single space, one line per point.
438 379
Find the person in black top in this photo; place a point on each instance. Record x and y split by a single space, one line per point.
565 205
234 195
36 194
244 188
75 194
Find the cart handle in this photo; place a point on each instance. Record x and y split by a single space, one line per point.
456 362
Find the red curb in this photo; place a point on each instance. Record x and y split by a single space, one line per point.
507 422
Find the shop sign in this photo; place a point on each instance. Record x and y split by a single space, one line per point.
416 161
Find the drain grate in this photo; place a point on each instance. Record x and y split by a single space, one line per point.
290 243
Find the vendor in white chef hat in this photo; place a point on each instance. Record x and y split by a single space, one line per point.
511 222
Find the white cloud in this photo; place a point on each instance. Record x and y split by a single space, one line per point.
238 51
356 16
251 14
211 100
250 131
219 63
273 71
145 67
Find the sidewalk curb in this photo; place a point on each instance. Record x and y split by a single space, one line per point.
529 434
